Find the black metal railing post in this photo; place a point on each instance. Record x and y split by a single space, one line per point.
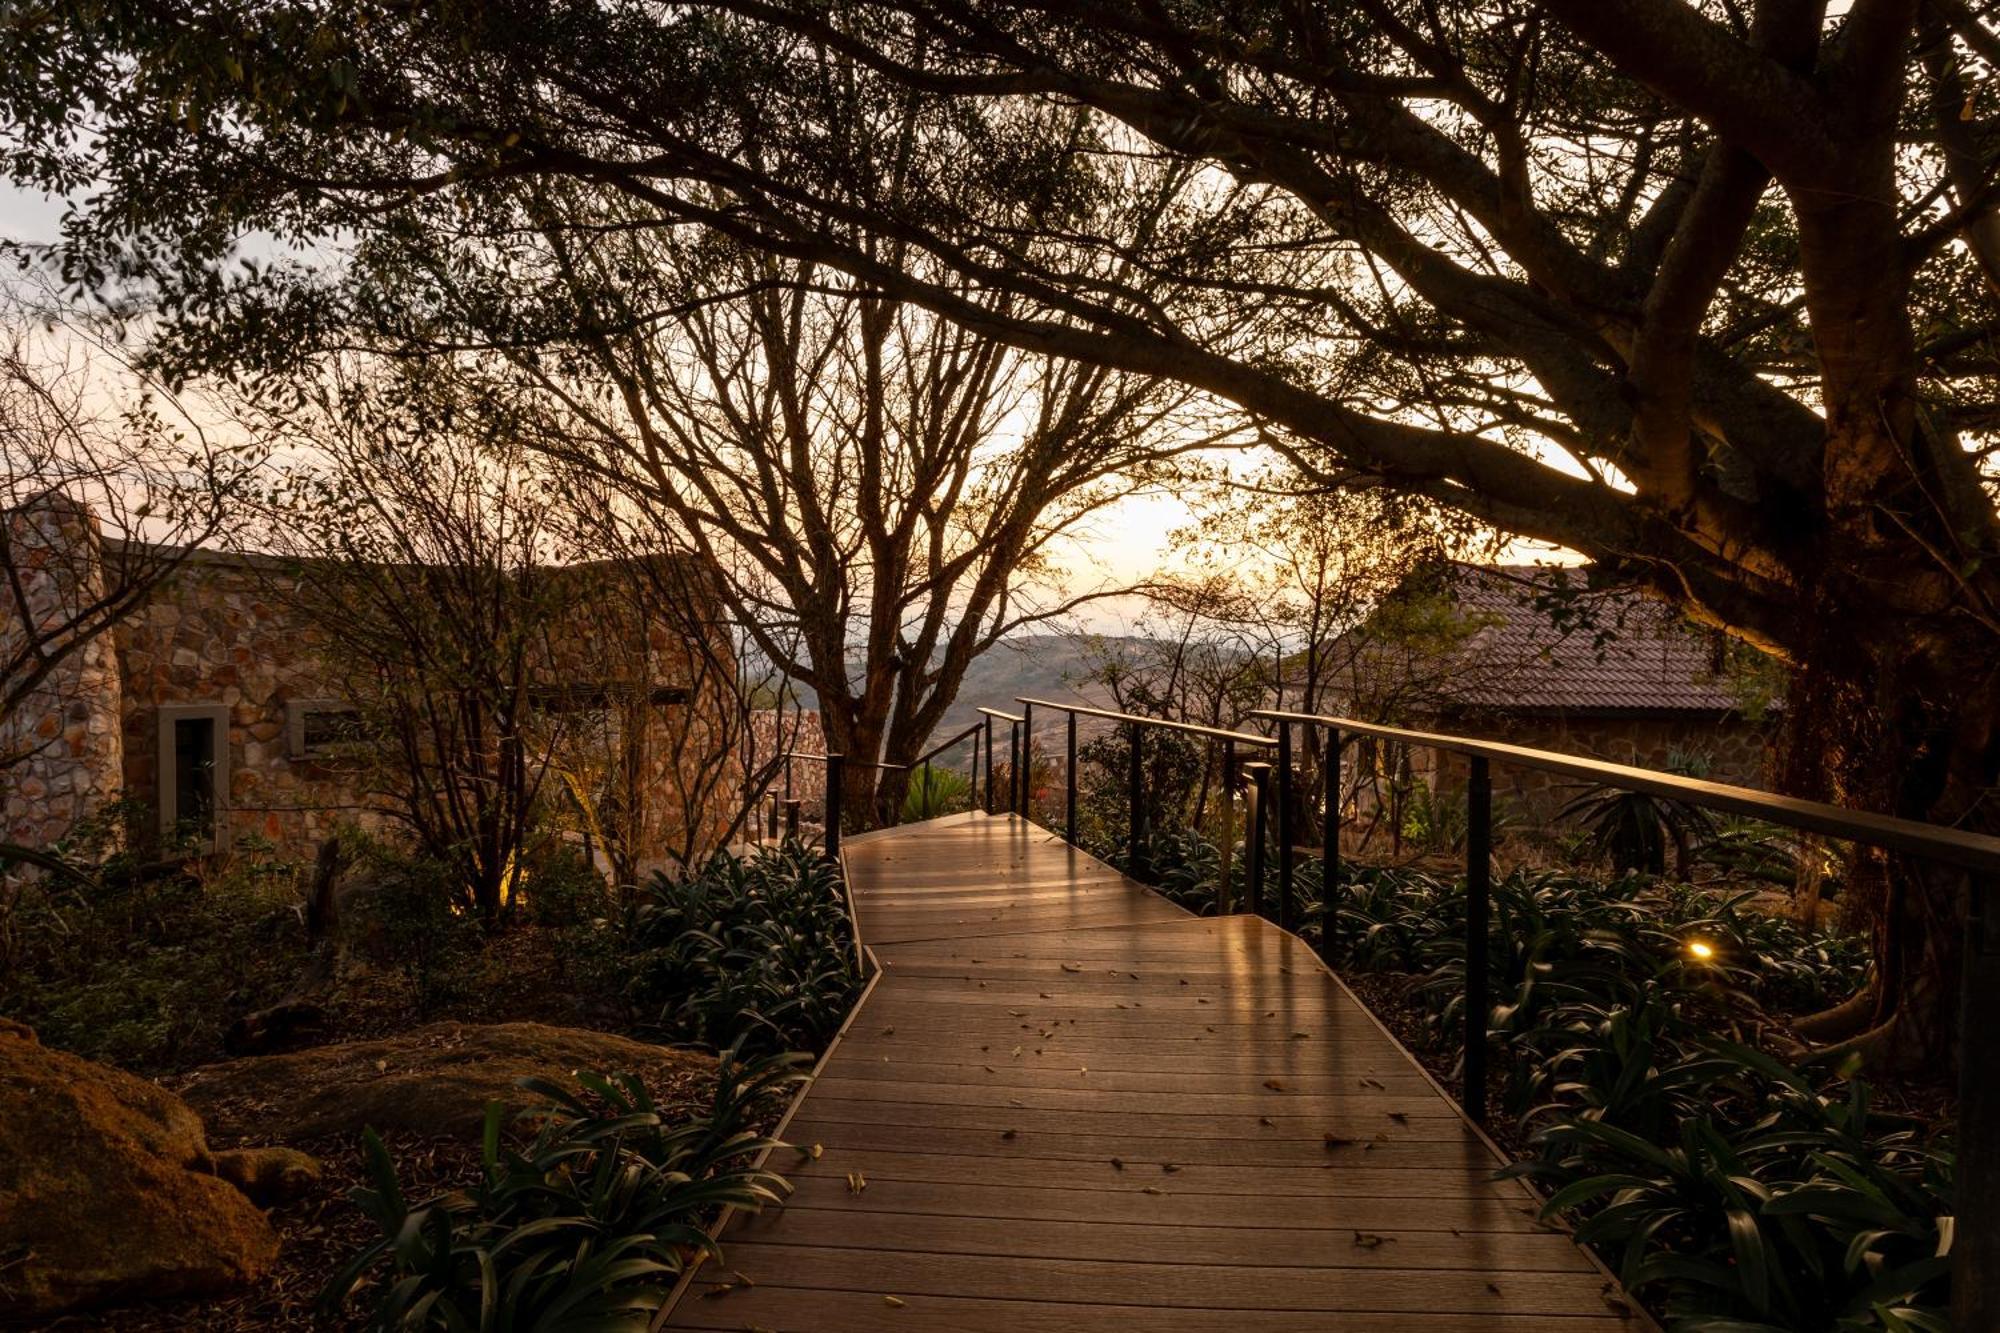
1223 903
1975 1249
1286 830
1069 792
1013 768
988 807
1329 852
1256 793
975 769
773 834
1135 790
1478 907
1027 757
834 764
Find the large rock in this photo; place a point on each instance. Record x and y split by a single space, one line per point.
269 1176
431 1080
106 1191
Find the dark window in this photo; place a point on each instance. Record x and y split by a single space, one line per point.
325 728
194 775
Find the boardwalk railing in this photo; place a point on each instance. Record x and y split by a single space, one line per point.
1976 1244
1136 726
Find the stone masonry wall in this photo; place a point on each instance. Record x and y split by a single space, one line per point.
60 752
225 631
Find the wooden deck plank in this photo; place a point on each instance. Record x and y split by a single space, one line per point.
1070 1104
792 1310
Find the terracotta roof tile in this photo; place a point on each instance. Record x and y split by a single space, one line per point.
1623 653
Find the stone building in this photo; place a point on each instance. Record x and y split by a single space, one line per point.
213 708
1527 655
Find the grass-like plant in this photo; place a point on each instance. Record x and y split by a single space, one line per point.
935 791
754 951
584 1226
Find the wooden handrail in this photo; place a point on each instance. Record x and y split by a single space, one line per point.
1002 715
859 763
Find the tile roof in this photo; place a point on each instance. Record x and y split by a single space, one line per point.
1534 648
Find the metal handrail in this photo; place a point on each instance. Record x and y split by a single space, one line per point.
1165 724
1136 830
940 748
858 763
1974 851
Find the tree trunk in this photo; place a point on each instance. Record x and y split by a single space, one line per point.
1908 723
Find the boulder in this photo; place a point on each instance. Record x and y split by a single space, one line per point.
269 1175
106 1191
430 1080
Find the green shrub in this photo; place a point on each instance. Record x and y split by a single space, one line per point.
148 972
584 1226
934 792
756 950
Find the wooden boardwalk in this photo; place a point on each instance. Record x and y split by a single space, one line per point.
1070 1105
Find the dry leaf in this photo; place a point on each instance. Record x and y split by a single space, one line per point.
1368 1240
893 1302
1152 1189
856 1182
1274 1085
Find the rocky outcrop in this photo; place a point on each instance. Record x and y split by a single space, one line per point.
107 1191
432 1080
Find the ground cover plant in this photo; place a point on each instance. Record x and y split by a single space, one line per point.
585 1224
755 951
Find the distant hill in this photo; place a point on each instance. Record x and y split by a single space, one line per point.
1035 664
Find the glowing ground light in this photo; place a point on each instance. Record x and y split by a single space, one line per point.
1701 949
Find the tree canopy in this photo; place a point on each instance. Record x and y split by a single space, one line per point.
1704 291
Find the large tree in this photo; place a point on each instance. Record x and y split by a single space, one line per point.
1705 291
874 487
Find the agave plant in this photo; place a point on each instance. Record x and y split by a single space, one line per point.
582 1228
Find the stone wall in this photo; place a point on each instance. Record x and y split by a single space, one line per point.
222 630
60 752
642 723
